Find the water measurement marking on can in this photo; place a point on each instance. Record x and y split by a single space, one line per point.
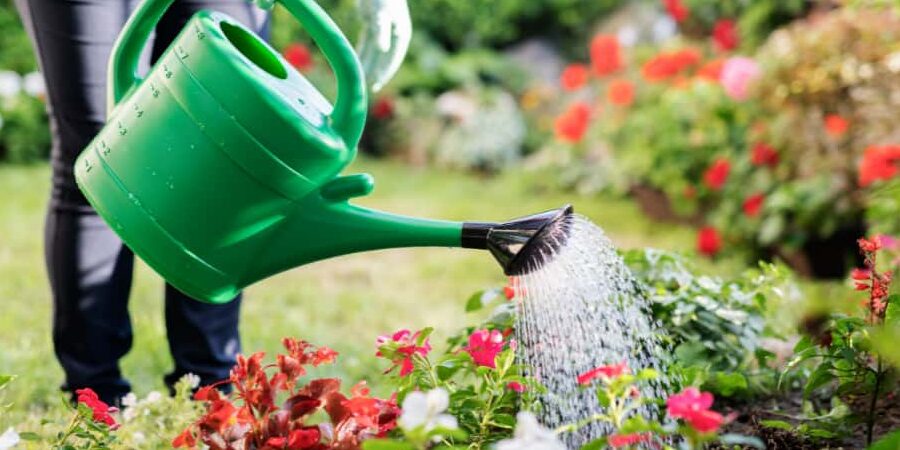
154 90
103 148
138 110
87 164
199 31
122 130
167 71
182 53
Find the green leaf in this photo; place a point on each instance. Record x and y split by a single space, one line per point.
385 444
889 442
29 436
892 315
596 444
818 378
728 383
602 397
740 439
474 302
779 424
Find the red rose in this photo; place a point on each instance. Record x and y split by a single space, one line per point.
605 54
717 174
574 77
753 205
573 123
299 56
620 92
709 242
763 155
725 35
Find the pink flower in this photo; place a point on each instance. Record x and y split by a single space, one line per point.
623 440
405 347
692 406
515 386
608 372
484 346
738 74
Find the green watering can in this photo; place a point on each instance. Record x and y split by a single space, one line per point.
221 167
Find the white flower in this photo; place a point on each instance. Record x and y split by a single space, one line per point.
34 84
10 84
530 435
138 437
9 439
129 400
192 379
426 410
153 397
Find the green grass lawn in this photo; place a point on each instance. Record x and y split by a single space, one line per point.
343 303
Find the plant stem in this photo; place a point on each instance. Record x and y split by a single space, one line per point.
873 404
69 430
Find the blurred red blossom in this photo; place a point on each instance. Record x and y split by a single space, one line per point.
626 440
383 108
725 35
677 10
693 407
299 56
573 123
717 174
763 154
836 125
753 205
620 92
574 77
667 65
606 55
879 163
709 242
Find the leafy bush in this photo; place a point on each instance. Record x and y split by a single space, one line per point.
15 48
24 134
713 325
755 18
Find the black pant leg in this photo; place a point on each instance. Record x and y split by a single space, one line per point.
89 268
203 338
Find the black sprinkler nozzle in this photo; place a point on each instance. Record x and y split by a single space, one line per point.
524 244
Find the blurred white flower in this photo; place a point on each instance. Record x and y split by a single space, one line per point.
138 437
664 28
628 35
425 410
153 397
34 84
129 400
9 439
10 83
530 435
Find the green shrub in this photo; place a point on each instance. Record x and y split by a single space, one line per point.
24 134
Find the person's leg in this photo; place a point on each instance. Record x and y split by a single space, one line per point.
89 268
203 338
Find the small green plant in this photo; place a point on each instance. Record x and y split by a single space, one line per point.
841 347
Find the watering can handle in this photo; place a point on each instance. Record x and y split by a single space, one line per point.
349 115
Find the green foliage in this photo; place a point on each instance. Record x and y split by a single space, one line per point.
883 208
15 48
151 422
710 321
24 135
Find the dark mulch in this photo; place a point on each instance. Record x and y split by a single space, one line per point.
781 408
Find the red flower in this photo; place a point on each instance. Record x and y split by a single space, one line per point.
717 174
861 274
835 125
624 440
299 56
515 386
484 346
677 10
383 108
574 76
709 242
667 65
763 155
725 35
712 70
753 205
869 245
406 346
605 54
879 163
303 438
620 92
100 410
572 124
185 439
692 406
608 372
